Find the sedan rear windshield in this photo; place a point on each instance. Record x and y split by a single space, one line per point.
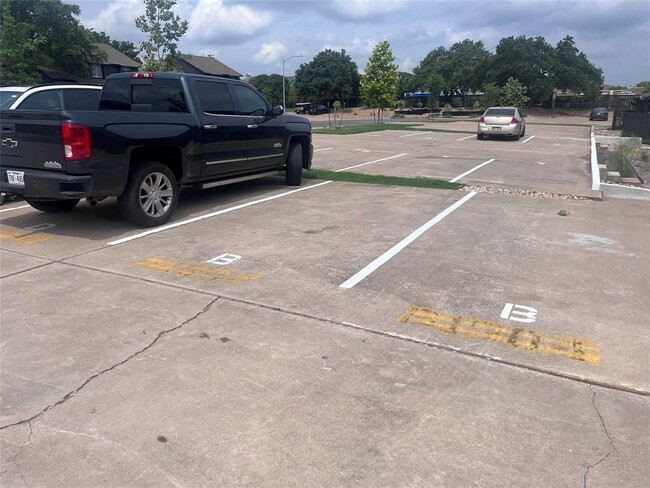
510 112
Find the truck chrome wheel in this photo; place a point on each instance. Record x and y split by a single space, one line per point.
156 194
151 194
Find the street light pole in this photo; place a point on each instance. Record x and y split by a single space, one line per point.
284 97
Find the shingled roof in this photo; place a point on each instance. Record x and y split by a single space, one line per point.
113 56
209 66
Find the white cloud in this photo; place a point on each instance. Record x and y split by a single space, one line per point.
360 10
118 20
269 53
354 46
407 65
212 21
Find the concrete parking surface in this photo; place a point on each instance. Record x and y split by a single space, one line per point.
337 334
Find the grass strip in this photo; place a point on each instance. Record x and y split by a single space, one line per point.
360 129
322 174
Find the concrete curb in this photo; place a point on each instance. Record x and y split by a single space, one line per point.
610 189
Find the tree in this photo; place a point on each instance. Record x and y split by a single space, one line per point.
270 86
512 94
164 29
462 67
491 94
379 81
644 84
573 71
43 33
125 47
405 84
331 75
527 59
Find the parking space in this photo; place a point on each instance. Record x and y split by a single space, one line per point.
549 159
253 289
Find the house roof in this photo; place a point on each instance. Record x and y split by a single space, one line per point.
209 65
113 56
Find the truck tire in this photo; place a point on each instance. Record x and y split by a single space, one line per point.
53 206
150 196
294 165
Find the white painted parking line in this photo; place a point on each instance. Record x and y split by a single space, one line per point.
371 162
468 137
365 272
531 137
14 208
213 214
470 171
416 134
324 149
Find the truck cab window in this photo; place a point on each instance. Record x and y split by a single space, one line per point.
214 98
250 102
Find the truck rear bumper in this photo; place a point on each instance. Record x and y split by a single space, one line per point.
46 185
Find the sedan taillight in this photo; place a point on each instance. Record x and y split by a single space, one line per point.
514 120
76 141
482 120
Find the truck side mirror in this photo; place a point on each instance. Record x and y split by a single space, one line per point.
278 110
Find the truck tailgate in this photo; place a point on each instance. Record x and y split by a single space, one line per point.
31 140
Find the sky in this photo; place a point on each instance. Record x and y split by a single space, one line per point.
254 36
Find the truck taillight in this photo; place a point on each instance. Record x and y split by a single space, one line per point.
141 75
76 141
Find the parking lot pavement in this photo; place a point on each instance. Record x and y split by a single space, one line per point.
549 159
239 394
331 334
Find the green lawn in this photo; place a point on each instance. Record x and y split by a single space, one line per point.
360 129
322 174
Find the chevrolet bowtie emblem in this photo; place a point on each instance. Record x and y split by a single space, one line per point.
10 143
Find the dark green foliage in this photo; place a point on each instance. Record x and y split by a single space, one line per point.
43 33
454 71
573 71
270 86
331 75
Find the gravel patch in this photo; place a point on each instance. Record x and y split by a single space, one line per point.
526 193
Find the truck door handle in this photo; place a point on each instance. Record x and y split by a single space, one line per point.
210 127
252 126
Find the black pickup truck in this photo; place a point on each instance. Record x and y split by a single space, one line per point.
153 134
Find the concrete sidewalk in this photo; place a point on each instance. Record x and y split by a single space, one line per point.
240 395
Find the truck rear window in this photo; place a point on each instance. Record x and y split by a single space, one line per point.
161 95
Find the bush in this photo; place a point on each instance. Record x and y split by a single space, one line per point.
623 154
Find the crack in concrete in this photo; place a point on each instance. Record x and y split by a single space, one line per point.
14 460
106 370
609 437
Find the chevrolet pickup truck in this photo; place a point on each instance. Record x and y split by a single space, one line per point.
153 134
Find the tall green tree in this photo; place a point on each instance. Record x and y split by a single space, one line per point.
379 81
270 86
43 33
531 60
573 71
164 28
462 67
405 84
331 75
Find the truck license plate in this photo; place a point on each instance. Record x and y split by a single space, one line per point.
16 178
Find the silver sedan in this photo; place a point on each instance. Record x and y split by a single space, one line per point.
501 121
